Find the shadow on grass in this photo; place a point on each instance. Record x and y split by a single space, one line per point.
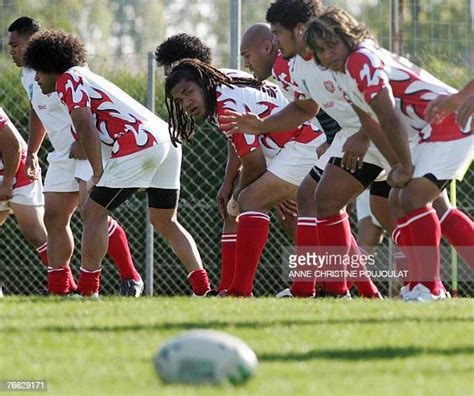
363 353
84 327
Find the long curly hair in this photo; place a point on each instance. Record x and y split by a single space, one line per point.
181 125
54 51
332 26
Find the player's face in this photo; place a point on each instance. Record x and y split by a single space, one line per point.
17 43
257 59
331 55
46 81
284 40
190 97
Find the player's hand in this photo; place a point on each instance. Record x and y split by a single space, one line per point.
77 152
465 111
439 108
6 190
232 122
399 176
32 168
287 208
320 150
91 183
223 196
354 150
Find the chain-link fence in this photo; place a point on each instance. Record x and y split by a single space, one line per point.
119 53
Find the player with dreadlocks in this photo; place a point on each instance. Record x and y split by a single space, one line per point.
273 165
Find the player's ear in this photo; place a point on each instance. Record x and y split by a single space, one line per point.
299 29
268 47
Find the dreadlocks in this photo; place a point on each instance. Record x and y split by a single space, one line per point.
181 125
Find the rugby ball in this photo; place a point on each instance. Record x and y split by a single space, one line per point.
205 357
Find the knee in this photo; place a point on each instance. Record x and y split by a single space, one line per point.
410 202
55 220
246 200
326 203
395 206
93 214
165 225
36 235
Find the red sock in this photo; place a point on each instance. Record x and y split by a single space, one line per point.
58 282
458 229
401 240
306 241
119 251
199 282
89 282
43 253
420 233
228 243
362 281
252 235
401 264
334 237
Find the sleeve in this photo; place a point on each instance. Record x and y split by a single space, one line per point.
367 70
243 143
72 91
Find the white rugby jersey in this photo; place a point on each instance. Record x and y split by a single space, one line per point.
318 84
369 70
122 122
52 114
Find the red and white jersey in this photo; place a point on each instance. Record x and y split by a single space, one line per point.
264 102
20 177
52 114
369 70
281 72
122 122
318 84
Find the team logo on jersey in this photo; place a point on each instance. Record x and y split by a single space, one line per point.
30 91
329 86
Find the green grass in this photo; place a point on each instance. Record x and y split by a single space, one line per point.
305 347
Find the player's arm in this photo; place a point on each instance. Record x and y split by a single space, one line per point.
372 130
89 138
383 105
291 116
10 147
231 172
444 105
253 166
36 136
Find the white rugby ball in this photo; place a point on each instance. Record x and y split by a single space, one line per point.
205 356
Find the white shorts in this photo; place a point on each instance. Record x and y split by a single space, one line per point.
294 161
30 195
158 166
60 176
444 160
83 169
363 208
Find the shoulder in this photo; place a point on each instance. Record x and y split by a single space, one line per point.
362 57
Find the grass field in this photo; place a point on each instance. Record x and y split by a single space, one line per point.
305 347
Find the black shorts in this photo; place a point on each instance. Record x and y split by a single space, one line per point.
112 198
380 189
316 173
441 184
364 176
